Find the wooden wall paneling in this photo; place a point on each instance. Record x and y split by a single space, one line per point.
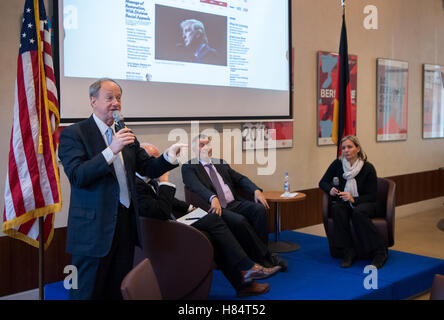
418 186
19 263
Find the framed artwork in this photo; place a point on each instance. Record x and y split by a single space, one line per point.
391 99
257 135
327 78
433 101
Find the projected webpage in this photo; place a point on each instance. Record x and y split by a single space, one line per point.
236 43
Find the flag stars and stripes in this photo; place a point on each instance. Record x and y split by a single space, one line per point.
32 185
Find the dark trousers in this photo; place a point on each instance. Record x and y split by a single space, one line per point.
367 234
100 278
228 254
247 220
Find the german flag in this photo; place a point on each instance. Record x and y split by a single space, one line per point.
342 111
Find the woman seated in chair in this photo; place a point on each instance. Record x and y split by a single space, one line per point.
351 182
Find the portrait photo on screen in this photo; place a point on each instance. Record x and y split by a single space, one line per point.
190 36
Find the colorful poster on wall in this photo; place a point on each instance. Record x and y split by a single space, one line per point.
259 135
433 103
392 102
327 78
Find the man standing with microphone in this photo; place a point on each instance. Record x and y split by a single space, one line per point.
100 162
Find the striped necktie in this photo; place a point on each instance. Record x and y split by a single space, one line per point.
120 174
217 185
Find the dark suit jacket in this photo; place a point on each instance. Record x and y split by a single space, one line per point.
161 204
197 180
366 180
94 188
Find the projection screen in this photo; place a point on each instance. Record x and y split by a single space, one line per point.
177 60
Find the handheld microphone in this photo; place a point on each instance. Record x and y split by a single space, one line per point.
119 124
118 119
336 182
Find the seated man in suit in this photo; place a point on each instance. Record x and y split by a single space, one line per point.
214 181
156 200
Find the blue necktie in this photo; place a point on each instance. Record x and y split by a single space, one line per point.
109 135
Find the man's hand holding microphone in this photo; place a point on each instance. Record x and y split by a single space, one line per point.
124 136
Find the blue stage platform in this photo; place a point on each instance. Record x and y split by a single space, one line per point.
314 275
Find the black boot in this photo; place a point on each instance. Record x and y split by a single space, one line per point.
380 257
349 258
273 259
279 261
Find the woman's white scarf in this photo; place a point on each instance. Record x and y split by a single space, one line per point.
350 172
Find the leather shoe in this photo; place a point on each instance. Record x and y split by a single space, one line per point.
279 261
258 272
254 289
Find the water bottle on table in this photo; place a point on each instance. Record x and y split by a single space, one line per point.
286 184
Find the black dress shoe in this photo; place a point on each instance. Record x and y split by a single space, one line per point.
276 260
348 260
379 259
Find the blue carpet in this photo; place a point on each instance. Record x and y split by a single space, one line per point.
314 275
55 291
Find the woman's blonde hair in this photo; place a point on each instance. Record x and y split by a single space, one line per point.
355 141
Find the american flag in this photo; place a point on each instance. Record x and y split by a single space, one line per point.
32 186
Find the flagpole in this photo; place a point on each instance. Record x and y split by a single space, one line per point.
42 78
41 258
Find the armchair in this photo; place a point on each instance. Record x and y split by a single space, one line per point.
181 256
385 225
